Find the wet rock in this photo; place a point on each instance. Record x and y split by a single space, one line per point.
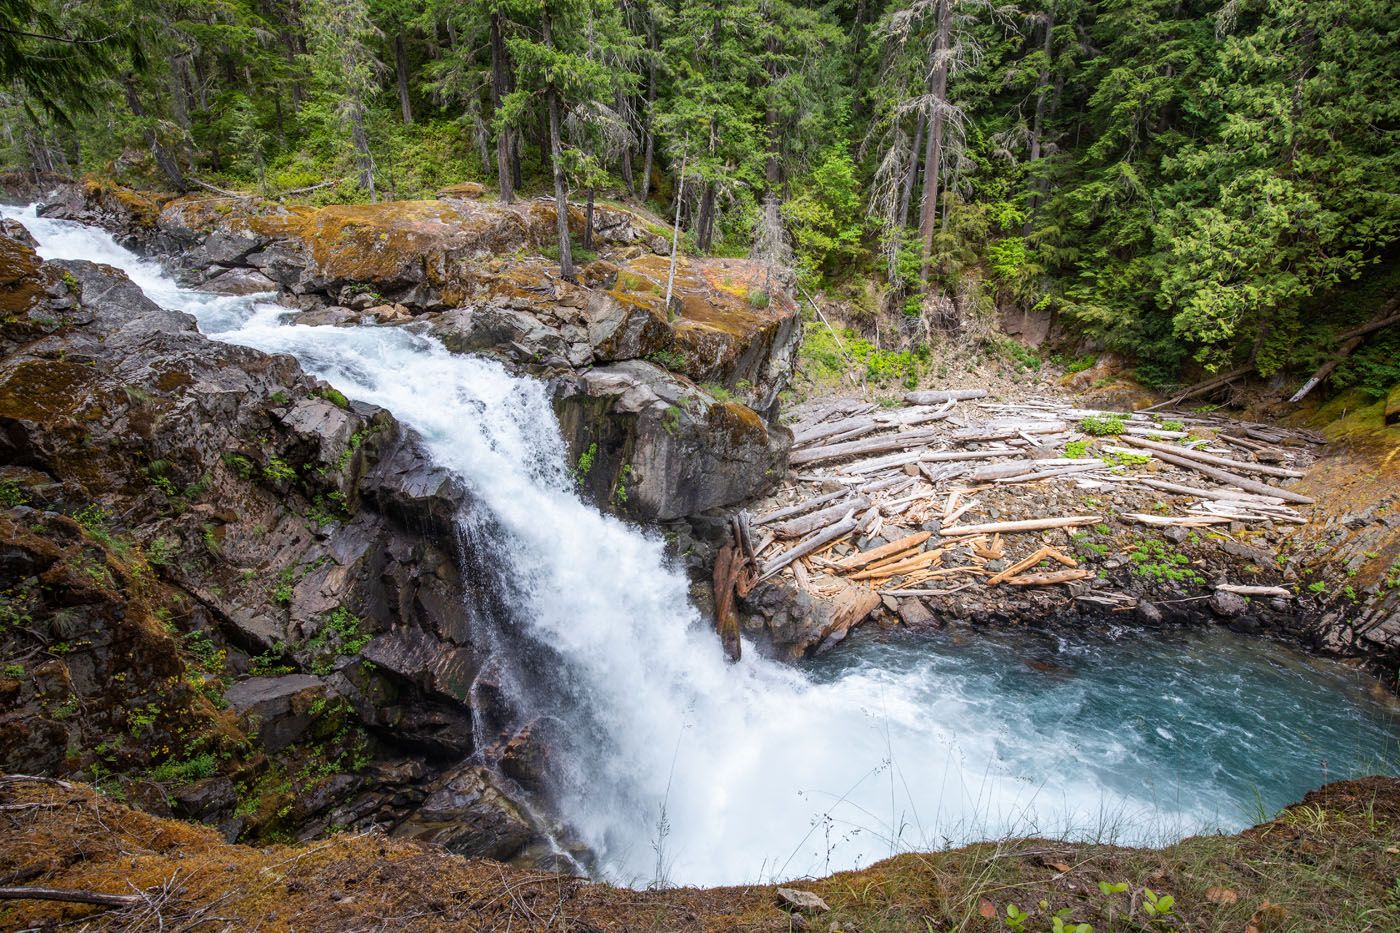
466 813
241 281
913 613
1227 605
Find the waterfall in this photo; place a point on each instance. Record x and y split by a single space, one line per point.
668 762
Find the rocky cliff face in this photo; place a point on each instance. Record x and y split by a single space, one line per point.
643 386
227 590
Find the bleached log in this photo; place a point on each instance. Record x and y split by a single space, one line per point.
993 433
815 542
866 558
1037 475
1213 459
874 445
1154 432
830 428
1029 524
909 417
1241 590
1234 479
1202 493
70 896
954 456
1172 521
1051 578
934 396
799 508
806 524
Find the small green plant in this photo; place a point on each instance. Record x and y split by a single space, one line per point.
758 299
183 772
620 493
12 495
717 392
160 551
585 463
279 470
271 662
1102 425
14 671
1317 586
1172 426
1157 906
1077 450
671 420
241 465
1152 558
280 398
206 655
1107 889
141 719
334 396
674 360
1015 918
65 709
342 633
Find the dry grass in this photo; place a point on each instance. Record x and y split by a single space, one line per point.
1329 863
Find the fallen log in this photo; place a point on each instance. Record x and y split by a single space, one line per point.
953 456
830 428
1201 493
874 445
70 896
971 435
816 542
729 564
799 508
1201 388
1241 590
865 558
1050 579
897 568
807 524
1026 563
1226 462
933 396
1234 479
1201 521
1351 340
1029 524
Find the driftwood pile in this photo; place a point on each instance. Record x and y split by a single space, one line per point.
892 499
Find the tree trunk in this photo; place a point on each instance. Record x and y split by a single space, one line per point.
705 217
933 151
907 195
588 222
359 137
500 80
401 67
1037 121
164 161
627 181
649 144
556 157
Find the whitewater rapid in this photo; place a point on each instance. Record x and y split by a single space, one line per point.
680 767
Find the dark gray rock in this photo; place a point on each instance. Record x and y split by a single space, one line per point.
280 706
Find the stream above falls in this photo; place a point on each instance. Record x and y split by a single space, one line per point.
676 766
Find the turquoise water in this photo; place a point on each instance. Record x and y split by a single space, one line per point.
1200 720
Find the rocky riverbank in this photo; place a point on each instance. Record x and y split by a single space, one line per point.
1002 510
670 406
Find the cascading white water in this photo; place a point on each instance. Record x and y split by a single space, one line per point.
679 764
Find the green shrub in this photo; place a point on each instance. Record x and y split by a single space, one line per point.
1102 425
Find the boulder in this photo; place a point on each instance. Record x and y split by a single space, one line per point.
1227 605
239 281
465 812
280 707
659 447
